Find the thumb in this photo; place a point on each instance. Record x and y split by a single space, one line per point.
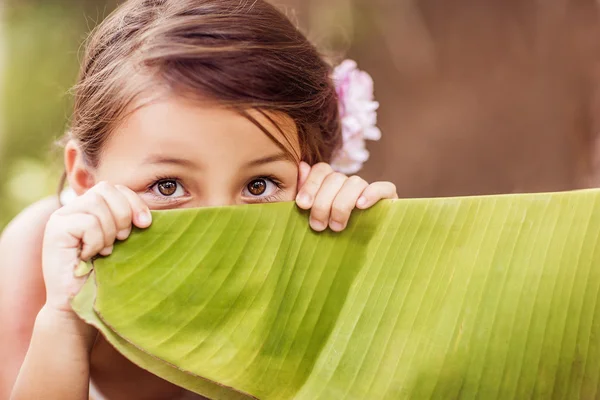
303 172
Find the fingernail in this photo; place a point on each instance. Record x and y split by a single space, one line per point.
317 225
144 218
107 251
303 200
362 202
124 234
336 226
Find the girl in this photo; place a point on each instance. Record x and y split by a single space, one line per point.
180 103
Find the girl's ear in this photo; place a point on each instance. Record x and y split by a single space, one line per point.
79 175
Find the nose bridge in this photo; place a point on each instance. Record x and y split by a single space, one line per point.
217 199
218 192
218 186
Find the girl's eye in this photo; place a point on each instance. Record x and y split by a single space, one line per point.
168 188
260 187
257 187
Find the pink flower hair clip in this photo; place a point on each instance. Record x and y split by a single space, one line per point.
358 113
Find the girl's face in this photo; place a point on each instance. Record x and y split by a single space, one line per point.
175 153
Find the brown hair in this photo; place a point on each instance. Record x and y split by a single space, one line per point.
241 53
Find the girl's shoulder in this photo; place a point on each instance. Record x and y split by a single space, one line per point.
28 227
21 248
21 258
21 242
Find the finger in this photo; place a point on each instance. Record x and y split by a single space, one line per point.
303 171
119 207
308 191
345 202
375 192
93 203
107 251
142 218
88 230
321 209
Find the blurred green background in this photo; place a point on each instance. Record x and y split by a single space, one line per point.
476 97
40 44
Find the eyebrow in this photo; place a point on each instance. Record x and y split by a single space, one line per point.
269 159
157 159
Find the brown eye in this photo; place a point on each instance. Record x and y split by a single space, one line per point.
262 189
257 187
167 188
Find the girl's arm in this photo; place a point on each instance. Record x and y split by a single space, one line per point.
57 365
22 292
57 362
53 365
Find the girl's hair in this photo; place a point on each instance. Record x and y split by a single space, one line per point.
244 54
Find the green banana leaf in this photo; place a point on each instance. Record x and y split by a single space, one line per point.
483 297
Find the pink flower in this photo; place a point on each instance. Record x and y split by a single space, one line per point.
358 115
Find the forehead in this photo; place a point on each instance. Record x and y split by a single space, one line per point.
178 126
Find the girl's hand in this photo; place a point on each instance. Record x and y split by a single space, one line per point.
82 229
332 196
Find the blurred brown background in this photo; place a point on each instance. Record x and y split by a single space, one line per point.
477 96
